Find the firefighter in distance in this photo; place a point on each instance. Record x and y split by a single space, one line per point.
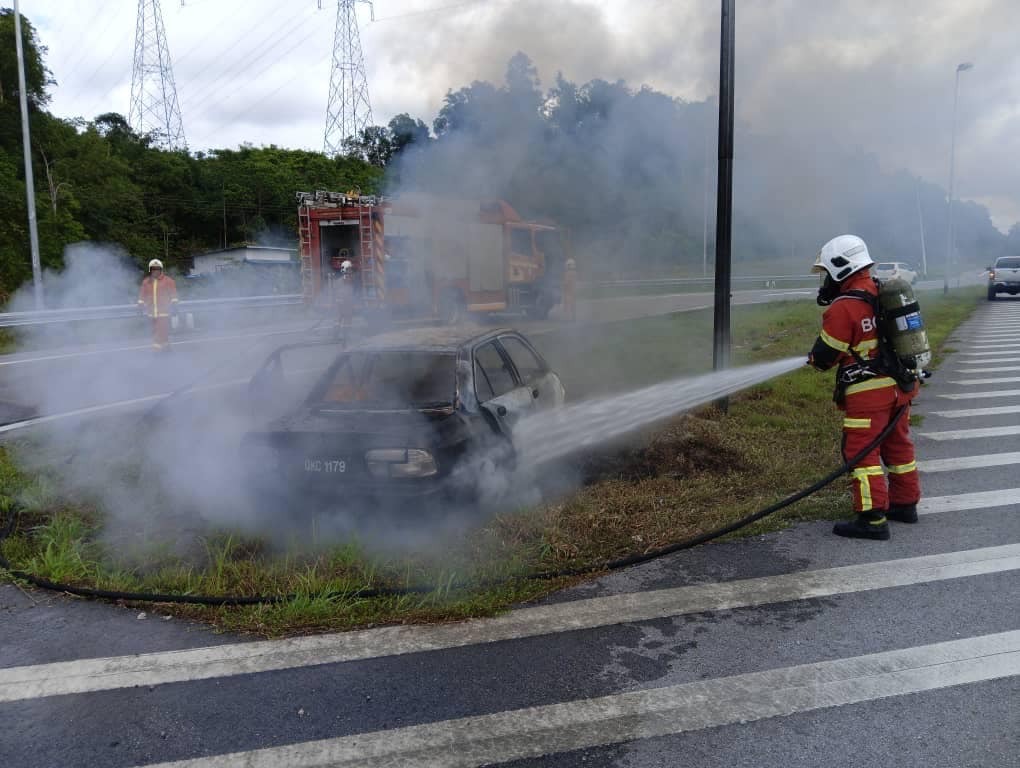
157 299
869 396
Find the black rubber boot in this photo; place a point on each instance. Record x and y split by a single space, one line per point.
864 526
903 513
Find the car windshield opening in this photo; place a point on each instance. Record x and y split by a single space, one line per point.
391 379
1008 264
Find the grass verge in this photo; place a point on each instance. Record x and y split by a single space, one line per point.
692 474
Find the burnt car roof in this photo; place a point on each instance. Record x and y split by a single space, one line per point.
438 339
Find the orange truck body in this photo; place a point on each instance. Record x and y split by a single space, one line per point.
423 256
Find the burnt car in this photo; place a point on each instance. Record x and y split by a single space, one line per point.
405 413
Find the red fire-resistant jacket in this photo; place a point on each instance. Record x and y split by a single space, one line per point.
157 296
849 327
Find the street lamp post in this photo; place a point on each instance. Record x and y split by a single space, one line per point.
33 230
963 67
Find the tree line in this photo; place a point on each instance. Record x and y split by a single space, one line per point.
629 171
98 180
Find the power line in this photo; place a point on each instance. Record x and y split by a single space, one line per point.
429 11
271 93
279 36
210 30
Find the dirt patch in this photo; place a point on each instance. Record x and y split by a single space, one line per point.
685 446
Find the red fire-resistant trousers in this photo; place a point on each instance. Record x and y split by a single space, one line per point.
871 491
161 332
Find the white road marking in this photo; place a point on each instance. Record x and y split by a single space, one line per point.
534 732
997 347
147 346
961 502
17 425
969 462
980 354
976 395
970 434
1001 369
994 380
990 361
87 675
966 413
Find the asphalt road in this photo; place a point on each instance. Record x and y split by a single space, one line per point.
108 376
792 649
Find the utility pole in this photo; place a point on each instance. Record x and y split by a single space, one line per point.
952 171
33 229
704 201
724 198
348 111
154 108
920 226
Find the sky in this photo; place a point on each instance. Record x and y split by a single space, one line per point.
867 74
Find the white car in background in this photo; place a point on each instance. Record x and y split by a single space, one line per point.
887 270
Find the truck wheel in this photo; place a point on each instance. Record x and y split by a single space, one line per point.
451 308
541 308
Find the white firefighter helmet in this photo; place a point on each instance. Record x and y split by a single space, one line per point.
155 264
842 256
346 267
571 264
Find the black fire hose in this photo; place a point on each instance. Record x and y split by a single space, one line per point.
612 565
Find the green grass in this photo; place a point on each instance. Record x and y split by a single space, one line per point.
692 474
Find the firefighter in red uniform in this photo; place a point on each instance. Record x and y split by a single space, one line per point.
157 298
849 339
343 295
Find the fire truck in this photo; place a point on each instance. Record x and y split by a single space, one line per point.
424 256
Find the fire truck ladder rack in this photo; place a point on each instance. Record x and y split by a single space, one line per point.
372 282
305 252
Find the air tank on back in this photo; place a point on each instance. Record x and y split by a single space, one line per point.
903 324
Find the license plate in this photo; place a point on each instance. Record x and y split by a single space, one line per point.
326 466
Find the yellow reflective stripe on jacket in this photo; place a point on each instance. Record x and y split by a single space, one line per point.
866 346
902 469
879 382
861 475
856 423
833 342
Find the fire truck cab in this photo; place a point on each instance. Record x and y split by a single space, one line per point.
424 256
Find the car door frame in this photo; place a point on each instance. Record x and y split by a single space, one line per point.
507 409
548 391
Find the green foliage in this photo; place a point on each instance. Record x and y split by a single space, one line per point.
99 180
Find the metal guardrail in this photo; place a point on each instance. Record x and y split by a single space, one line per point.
764 280
120 311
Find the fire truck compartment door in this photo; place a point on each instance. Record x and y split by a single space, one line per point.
484 246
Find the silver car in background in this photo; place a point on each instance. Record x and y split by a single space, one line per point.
887 270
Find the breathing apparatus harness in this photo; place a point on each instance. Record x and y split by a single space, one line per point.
905 370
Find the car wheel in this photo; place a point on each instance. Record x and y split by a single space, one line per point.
991 295
451 308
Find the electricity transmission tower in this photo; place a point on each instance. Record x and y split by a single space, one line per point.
154 107
348 111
